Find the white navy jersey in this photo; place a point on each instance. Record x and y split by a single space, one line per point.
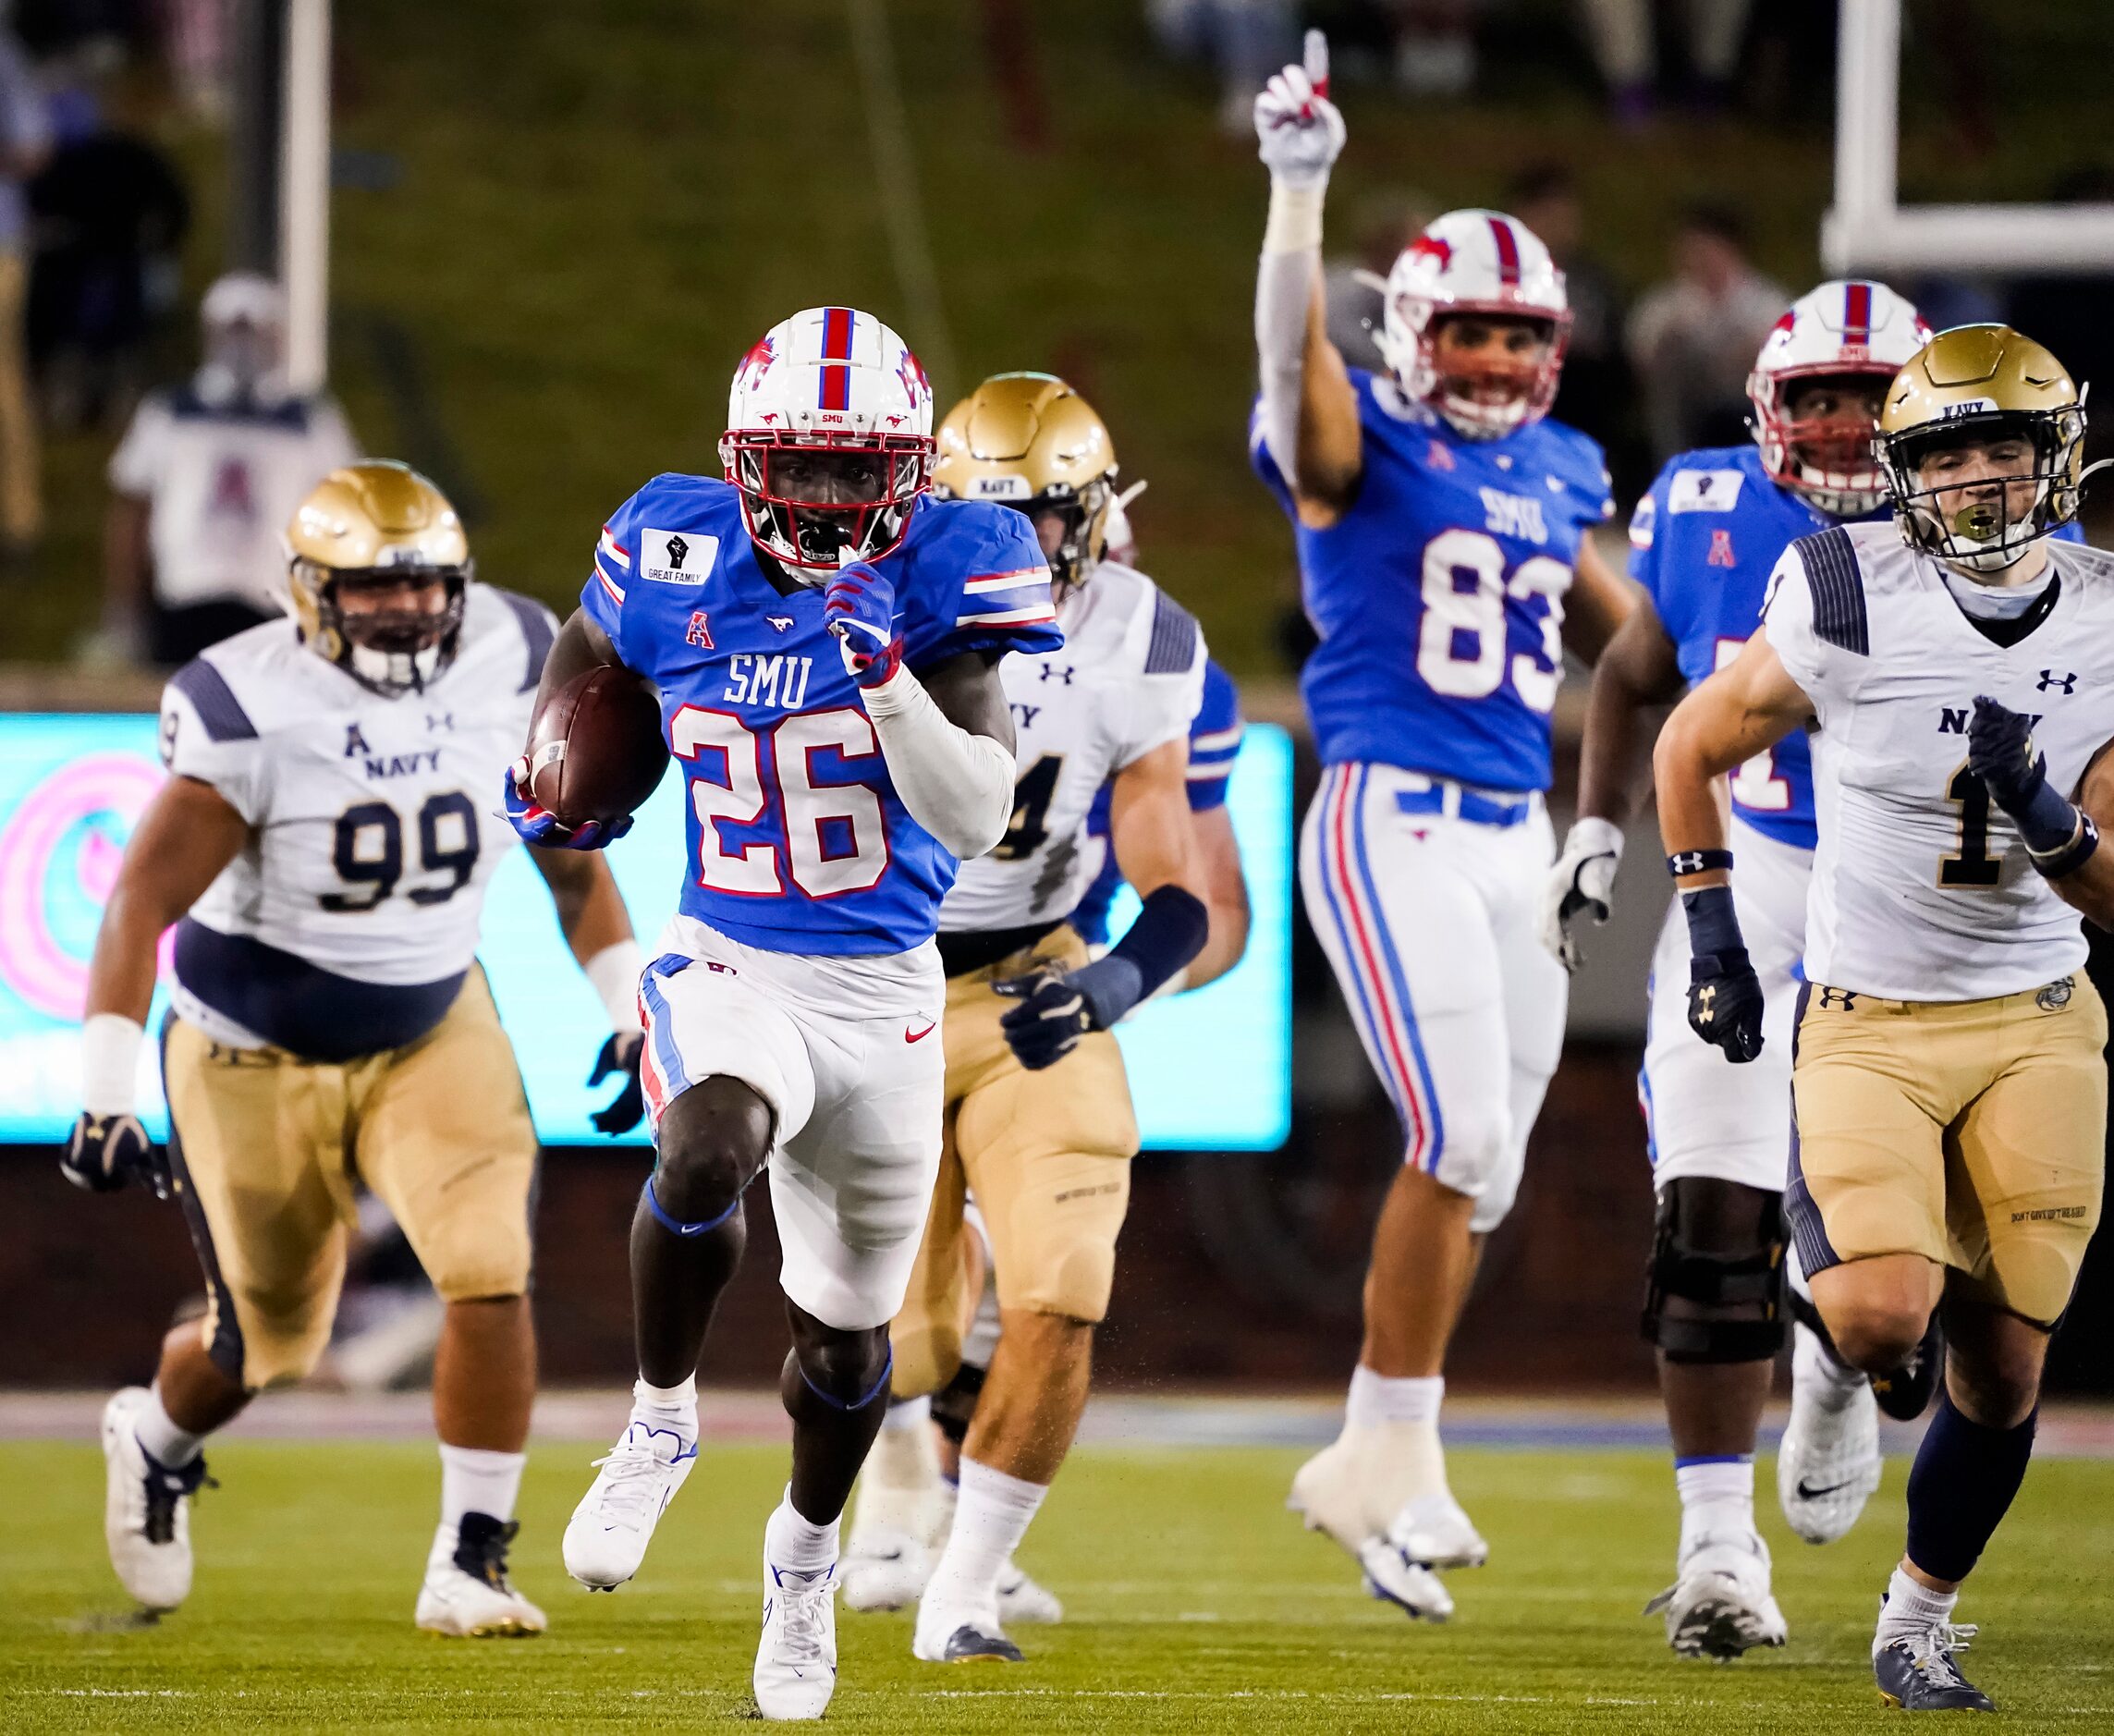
349 917
1922 887
1129 679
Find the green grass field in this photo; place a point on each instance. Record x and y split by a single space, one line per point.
1195 1604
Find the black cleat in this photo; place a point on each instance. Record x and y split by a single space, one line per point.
1904 1392
967 1644
1920 1676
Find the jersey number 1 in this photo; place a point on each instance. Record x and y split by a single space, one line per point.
1971 864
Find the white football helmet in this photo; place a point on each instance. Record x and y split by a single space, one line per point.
1846 328
1473 262
829 439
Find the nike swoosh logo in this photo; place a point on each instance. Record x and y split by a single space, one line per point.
918 1036
1806 1494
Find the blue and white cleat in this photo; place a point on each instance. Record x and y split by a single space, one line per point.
796 1660
1918 1674
1393 1578
607 1539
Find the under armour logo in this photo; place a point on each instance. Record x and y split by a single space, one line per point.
678 548
1686 861
1052 673
436 721
1845 998
1705 1001
2049 679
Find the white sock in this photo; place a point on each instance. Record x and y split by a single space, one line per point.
991 1515
1817 1377
1716 1496
667 1407
790 1541
906 1416
477 1480
1910 1611
162 1439
1379 1398
901 1472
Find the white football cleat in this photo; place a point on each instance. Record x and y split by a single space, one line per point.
1410 1586
146 1509
884 1568
1827 1464
1431 1530
1023 1599
796 1660
614 1523
465 1595
1719 1604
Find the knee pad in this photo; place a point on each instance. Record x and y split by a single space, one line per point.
955 1403
1501 1190
1733 1285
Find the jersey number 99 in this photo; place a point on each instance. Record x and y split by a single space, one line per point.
1461 644
367 850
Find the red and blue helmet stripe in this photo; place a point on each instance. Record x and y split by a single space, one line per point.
835 388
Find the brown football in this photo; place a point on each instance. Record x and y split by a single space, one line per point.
596 752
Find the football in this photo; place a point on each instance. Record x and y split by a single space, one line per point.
596 752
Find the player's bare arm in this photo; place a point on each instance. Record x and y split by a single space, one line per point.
1225 897
1636 669
1746 707
188 835
580 646
1599 601
2061 836
1309 409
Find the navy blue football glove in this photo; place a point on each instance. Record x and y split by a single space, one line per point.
621 1054
859 608
539 826
1724 993
2000 752
1057 1008
109 1152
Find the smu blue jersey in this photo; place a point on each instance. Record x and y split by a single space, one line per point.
1213 742
1438 598
797 841
1702 542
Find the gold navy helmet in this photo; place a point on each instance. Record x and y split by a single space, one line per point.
1982 386
1030 441
376 527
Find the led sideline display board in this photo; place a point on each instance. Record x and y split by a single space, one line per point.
1210 1070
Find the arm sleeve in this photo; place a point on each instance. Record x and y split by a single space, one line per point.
137 464
1214 740
1284 285
206 734
993 594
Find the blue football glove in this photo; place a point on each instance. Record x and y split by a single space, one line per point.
110 1151
1724 995
1057 1008
2000 752
859 608
539 826
620 1054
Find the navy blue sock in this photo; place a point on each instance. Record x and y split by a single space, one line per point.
1960 1487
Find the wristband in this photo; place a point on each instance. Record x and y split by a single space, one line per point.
110 1063
614 973
1697 861
1294 223
2069 857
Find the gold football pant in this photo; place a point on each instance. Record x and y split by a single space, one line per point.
1047 1156
266 1147
1971 1132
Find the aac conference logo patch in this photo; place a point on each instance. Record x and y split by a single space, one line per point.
678 558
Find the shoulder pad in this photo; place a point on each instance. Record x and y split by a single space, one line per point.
1837 586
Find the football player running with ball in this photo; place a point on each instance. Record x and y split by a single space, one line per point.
1956 671
1039 1124
825 638
1702 544
1443 531
322 845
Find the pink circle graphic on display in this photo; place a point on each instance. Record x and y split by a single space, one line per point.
31 961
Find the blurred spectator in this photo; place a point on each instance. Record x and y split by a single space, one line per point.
1693 339
1623 36
111 214
207 478
1435 46
1382 224
1597 393
25 142
1242 41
